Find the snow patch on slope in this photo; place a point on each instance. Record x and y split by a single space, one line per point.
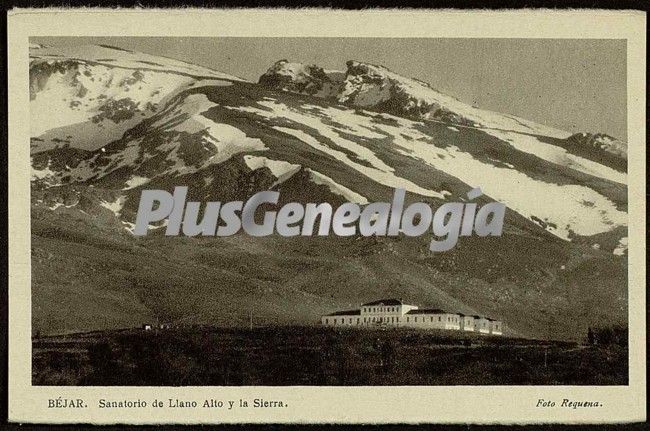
187 117
228 140
115 207
558 155
385 177
91 105
621 248
378 171
336 188
561 207
88 96
284 170
279 168
135 181
122 58
42 174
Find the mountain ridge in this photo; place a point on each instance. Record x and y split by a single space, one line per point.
227 139
291 76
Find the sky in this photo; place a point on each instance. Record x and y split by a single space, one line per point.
577 85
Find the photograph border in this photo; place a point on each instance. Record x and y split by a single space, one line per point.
482 404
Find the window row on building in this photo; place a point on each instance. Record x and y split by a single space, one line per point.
395 313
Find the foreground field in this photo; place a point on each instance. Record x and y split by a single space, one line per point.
318 356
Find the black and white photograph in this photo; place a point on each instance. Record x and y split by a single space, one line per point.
327 217
295 211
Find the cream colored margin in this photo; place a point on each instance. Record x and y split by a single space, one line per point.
465 404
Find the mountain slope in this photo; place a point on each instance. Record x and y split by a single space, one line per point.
88 96
374 87
562 251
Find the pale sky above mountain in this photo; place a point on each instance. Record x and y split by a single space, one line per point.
575 85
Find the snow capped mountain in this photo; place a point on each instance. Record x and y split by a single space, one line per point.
305 79
121 58
202 127
376 87
88 96
328 136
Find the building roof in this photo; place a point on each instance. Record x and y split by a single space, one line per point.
390 301
345 313
427 311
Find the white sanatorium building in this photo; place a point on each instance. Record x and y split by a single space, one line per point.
395 313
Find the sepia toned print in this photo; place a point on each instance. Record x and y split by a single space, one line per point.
117 132
231 227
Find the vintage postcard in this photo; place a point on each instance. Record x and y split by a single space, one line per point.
321 216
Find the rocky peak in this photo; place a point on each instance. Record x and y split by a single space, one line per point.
304 79
600 141
364 85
